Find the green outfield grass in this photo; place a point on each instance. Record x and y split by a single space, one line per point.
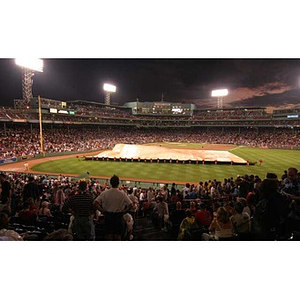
274 160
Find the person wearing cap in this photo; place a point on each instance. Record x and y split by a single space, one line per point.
44 210
82 208
113 203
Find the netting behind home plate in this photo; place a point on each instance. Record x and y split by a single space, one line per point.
142 152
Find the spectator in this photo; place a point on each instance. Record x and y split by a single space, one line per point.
245 205
44 210
129 226
241 221
203 217
187 224
165 193
6 191
221 227
176 217
186 189
27 215
291 186
244 187
5 232
214 192
193 207
135 203
113 203
173 190
193 194
81 205
271 212
31 190
60 198
252 200
162 211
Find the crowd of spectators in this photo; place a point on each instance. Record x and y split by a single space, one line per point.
24 140
99 111
89 113
231 114
238 208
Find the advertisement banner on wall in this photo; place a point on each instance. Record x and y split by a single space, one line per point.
8 160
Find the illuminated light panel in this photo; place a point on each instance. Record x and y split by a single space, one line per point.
109 87
35 64
219 93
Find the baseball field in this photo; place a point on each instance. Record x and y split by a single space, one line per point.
264 160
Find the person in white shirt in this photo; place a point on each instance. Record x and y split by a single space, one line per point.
113 203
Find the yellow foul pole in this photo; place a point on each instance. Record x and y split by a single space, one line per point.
41 128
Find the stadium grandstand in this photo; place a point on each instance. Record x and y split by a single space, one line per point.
146 114
138 122
84 126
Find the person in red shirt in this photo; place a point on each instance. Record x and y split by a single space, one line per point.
203 217
27 215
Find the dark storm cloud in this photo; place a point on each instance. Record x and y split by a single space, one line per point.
180 80
290 97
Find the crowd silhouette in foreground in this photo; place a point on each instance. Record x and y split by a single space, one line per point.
250 208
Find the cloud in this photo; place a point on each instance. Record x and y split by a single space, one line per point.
286 97
263 95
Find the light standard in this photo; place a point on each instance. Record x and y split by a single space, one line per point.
30 65
219 94
108 88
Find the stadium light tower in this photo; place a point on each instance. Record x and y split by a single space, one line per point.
219 94
108 88
29 65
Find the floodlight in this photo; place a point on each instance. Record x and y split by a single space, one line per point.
29 65
35 64
219 93
109 88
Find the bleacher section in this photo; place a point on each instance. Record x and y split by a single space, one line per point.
87 112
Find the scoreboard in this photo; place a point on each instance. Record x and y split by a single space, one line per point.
162 108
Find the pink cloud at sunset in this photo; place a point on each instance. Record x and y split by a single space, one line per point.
243 93
266 94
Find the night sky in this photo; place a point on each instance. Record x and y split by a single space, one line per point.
251 82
